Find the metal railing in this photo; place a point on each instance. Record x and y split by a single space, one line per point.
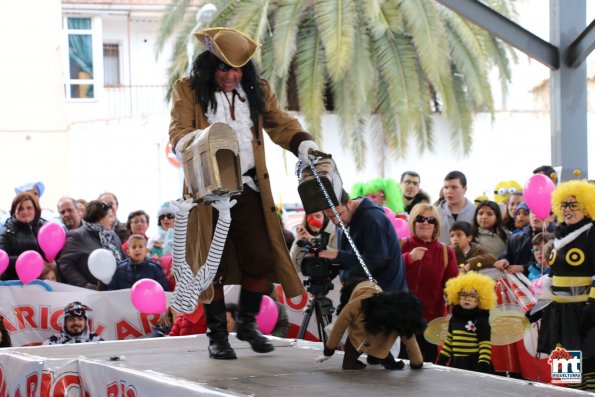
135 100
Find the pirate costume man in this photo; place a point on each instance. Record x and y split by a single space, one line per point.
224 87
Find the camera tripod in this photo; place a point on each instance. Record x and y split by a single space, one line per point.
323 309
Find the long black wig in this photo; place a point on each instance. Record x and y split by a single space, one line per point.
202 78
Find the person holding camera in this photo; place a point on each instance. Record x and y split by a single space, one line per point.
374 236
315 225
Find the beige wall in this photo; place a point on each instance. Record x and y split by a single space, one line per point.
33 138
31 67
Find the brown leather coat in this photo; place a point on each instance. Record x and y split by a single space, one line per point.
187 116
351 319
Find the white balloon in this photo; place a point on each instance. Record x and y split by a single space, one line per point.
102 265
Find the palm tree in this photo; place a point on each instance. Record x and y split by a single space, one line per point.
386 66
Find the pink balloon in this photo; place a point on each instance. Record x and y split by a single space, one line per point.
166 262
148 297
51 238
29 266
401 227
389 212
4 260
267 316
538 195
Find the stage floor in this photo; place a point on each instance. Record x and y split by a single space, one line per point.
288 371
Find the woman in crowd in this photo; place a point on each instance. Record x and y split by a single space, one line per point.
95 233
20 231
569 321
509 214
429 264
161 244
488 228
138 223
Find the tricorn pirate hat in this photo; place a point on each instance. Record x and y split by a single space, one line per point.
229 45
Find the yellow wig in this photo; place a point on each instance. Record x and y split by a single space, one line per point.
483 285
583 191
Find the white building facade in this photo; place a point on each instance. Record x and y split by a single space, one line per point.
82 109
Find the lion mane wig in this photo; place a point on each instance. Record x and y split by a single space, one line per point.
483 285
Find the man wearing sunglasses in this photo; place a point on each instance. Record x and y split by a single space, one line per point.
224 87
375 238
75 329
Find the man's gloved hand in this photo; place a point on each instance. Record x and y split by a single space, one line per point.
223 206
183 206
304 148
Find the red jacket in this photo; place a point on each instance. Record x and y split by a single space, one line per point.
427 277
190 324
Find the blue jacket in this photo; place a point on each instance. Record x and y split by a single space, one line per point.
376 240
128 273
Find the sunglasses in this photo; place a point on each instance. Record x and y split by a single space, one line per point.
572 205
168 216
470 295
421 219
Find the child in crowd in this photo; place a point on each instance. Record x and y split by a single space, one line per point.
468 344
50 273
373 320
470 255
189 324
521 218
137 266
488 229
543 245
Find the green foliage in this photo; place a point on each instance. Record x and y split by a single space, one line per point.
399 61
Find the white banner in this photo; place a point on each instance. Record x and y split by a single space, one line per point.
20 376
32 313
103 380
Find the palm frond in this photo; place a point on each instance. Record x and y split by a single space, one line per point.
311 76
423 21
389 18
501 55
173 14
474 69
287 19
335 20
359 147
396 59
458 111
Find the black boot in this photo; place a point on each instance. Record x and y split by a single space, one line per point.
246 323
219 347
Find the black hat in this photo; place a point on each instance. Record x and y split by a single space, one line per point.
76 309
